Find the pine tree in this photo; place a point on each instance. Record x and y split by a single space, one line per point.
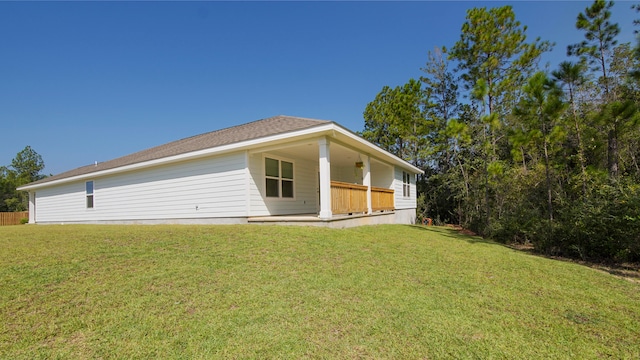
600 39
495 59
571 76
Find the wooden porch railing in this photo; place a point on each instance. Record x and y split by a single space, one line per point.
348 198
381 199
352 198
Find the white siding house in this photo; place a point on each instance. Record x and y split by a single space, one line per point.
276 170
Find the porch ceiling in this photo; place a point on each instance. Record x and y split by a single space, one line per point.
340 155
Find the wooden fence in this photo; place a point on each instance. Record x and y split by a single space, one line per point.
12 218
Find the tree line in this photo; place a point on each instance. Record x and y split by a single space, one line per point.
26 167
520 154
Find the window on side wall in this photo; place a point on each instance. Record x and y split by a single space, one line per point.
406 184
278 178
89 194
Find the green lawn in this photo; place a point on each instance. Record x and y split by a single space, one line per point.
378 292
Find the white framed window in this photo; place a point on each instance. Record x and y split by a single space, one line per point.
278 174
406 184
89 193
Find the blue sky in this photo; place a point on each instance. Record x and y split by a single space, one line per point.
91 81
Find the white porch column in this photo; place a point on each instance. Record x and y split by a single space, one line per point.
325 178
32 207
366 181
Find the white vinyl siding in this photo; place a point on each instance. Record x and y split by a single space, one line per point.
404 202
203 188
382 175
62 203
348 174
305 175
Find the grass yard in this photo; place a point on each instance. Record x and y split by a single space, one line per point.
201 292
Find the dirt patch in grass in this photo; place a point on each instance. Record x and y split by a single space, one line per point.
461 230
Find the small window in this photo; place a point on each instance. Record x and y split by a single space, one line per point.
406 184
278 178
89 192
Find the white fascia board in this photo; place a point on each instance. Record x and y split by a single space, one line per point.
218 150
377 150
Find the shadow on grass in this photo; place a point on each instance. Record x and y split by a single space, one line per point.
627 271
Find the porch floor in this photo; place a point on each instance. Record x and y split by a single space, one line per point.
337 221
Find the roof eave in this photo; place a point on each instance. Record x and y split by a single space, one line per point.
242 145
328 128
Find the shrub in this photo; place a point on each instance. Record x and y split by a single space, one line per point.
604 226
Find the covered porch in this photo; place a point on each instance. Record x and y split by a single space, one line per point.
333 179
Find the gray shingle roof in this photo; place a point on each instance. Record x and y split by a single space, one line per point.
253 130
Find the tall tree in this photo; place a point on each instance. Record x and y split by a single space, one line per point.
395 121
442 110
28 165
495 59
7 188
623 84
540 109
600 39
620 116
571 76
443 86
493 47
442 105
380 120
635 73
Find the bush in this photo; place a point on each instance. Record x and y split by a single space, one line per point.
24 221
523 217
605 226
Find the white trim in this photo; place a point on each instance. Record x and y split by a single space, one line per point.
93 195
366 181
406 186
316 175
247 179
324 162
330 129
280 159
32 207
